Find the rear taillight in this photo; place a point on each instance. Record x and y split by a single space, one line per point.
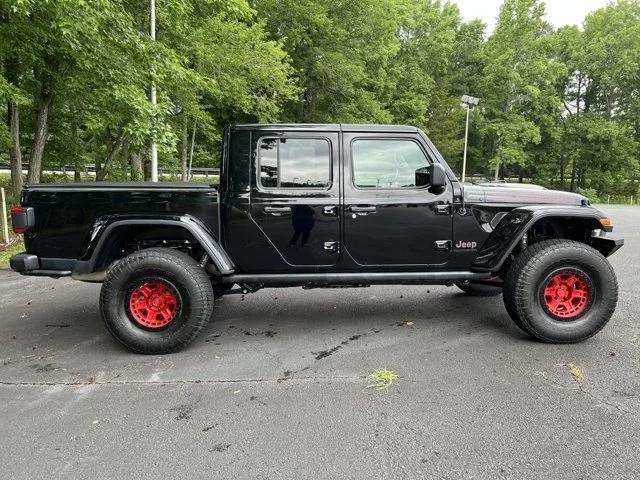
22 219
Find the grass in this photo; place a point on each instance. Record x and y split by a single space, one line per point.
575 372
382 379
7 251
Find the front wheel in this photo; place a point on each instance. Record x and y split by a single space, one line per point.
156 300
561 291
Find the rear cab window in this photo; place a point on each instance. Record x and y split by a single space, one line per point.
294 163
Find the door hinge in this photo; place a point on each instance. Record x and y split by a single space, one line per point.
331 246
442 245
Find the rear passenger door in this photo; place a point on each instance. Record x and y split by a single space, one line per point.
295 196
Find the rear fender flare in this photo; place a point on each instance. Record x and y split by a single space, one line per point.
104 227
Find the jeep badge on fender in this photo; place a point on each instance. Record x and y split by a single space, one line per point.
466 245
320 206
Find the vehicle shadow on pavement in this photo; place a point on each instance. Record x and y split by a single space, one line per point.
441 309
45 339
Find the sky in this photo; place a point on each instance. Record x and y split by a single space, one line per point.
559 12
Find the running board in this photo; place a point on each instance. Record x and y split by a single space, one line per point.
356 279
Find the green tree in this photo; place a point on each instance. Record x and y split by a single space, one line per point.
340 50
86 68
51 45
561 108
518 84
421 76
598 146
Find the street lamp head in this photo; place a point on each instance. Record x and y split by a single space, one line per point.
470 101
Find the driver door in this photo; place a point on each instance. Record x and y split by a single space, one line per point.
391 218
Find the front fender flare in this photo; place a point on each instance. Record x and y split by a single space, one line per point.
105 226
499 245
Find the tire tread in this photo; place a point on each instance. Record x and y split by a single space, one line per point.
519 274
178 259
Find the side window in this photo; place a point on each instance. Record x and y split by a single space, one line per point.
294 163
388 163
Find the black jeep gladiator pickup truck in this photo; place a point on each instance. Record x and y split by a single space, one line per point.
320 206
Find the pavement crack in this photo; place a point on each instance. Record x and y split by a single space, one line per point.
605 401
582 389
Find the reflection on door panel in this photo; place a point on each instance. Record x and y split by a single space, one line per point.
293 203
390 216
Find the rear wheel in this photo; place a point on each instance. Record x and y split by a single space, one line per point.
156 300
478 289
560 291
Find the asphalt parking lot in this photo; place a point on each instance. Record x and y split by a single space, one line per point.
274 388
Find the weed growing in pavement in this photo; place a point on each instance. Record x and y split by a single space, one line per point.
382 379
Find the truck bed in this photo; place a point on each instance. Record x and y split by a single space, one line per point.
120 186
65 213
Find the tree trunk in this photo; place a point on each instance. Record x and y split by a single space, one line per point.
573 176
125 150
193 144
562 152
40 135
113 151
185 147
15 154
137 172
146 166
97 157
125 153
76 151
583 175
497 175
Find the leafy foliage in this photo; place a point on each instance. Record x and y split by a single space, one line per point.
561 108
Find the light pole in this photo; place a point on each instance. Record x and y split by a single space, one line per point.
468 103
154 148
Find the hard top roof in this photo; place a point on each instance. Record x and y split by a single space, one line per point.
326 127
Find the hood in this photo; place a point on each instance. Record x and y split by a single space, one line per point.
519 194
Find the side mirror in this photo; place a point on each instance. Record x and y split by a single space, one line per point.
422 176
438 176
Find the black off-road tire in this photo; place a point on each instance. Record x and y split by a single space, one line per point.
182 275
530 272
478 289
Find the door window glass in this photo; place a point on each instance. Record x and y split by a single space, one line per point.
388 163
295 163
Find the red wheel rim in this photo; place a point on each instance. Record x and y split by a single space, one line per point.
153 304
567 294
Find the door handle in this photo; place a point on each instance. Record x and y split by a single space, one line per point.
330 211
367 209
330 246
277 211
443 209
